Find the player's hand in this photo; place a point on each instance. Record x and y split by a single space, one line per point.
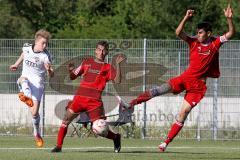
49 69
51 72
70 67
120 58
228 12
189 13
13 67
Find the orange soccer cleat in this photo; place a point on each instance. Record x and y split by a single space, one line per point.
28 101
39 141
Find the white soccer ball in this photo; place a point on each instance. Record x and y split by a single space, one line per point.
100 127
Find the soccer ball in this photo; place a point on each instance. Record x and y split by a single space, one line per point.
100 127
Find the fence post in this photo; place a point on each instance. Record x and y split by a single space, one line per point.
199 123
144 87
43 114
215 118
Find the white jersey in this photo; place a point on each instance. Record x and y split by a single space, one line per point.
34 64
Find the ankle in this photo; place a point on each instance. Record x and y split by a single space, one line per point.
167 141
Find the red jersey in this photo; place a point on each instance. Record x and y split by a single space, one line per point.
95 75
204 59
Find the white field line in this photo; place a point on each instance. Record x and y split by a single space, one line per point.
92 148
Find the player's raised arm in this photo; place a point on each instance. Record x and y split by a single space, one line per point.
74 72
119 59
228 12
15 66
179 31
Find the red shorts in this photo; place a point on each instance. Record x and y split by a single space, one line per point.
94 108
195 88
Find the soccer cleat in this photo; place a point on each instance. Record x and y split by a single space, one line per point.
117 143
123 103
28 101
162 147
56 149
39 141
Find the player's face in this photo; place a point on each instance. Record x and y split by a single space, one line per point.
40 44
100 52
202 35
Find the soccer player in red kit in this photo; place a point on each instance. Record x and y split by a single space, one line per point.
204 62
95 74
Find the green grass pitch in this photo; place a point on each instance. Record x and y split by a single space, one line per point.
23 148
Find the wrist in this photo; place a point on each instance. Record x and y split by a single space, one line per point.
185 18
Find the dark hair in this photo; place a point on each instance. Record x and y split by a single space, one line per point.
205 26
104 44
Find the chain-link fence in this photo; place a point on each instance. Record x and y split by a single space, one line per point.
149 63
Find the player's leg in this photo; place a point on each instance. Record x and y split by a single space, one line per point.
37 92
195 92
177 126
99 113
25 94
36 123
109 134
149 94
69 116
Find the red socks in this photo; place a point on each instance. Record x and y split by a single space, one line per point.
61 134
176 127
145 96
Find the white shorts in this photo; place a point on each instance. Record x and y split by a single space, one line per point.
37 91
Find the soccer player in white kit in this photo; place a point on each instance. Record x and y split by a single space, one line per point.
36 61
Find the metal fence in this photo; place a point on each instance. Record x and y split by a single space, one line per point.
149 63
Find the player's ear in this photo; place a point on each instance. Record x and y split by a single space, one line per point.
209 33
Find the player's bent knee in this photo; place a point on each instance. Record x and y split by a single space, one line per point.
67 120
21 79
100 127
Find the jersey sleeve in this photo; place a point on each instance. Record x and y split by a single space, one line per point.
223 39
49 56
46 60
190 40
219 41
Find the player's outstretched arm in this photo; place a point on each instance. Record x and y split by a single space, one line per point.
119 59
228 12
179 31
15 66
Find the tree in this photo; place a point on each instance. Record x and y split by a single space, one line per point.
49 14
12 26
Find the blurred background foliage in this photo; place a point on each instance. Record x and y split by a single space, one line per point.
81 19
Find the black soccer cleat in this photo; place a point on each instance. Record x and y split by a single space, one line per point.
56 149
117 143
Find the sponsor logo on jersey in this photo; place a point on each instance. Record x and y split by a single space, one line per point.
94 71
31 64
203 52
36 59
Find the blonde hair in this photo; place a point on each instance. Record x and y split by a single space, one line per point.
43 33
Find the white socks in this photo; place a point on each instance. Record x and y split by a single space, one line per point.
26 89
35 123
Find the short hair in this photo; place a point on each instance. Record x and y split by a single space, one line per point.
43 33
104 44
205 26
